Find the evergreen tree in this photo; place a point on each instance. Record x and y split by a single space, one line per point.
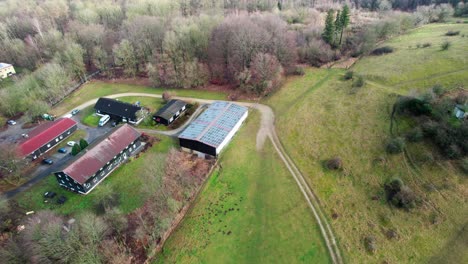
344 20
83 143
76 149
329 31
337 27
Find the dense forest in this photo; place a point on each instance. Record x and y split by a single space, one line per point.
249 45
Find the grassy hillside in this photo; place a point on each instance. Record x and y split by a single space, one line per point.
249 212
410 67
320 116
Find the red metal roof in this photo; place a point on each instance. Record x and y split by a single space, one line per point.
98 156
43 134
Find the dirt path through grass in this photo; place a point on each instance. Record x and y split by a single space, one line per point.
267 130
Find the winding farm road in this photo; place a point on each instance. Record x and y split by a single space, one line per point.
267 130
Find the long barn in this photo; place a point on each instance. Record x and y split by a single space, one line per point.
94 164
213 129
46 136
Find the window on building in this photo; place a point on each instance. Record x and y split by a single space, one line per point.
48 145
61 137
68 133
56 140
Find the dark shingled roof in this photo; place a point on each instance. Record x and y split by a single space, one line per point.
43 134
170 109
117 108
98 155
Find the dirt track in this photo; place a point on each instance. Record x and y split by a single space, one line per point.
267 130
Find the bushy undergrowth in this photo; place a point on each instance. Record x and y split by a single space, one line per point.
435 120
382 50
452 33
395 145
400 195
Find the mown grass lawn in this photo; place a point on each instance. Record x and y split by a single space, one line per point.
250 211
124 181
320 116
95 89
89 117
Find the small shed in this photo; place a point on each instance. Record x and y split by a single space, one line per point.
6 70
460 111
170 112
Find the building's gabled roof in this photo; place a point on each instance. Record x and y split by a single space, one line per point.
213 125
4 65
43 134
117 108
97 155
170 109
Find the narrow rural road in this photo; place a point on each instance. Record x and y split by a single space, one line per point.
267 130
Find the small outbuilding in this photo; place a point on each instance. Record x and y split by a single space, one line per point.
118 111
209 133
92 166
460 111
170 112
45 136
6 70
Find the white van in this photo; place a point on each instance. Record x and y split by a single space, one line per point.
104 119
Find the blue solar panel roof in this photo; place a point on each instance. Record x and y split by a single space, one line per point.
213 125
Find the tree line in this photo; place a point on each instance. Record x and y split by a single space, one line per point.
53 43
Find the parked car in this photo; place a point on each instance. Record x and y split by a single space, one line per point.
71 143
48 161
76 111
11 122
49 194
61 200
62 150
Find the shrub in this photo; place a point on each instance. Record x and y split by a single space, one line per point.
382 51
334 163
370 244
438 89
414 105
426 45
393 187
405 198
418 45
452 33
464 165
430 128
166 96
298 70
359 82
415 135
395 146
83 143
445 45
349 75
76 149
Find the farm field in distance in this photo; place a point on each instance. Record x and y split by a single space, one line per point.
251 210
353 123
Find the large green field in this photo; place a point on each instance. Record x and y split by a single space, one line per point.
251 211
124 180
320 116
95 89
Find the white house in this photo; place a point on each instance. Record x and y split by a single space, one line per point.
6 70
